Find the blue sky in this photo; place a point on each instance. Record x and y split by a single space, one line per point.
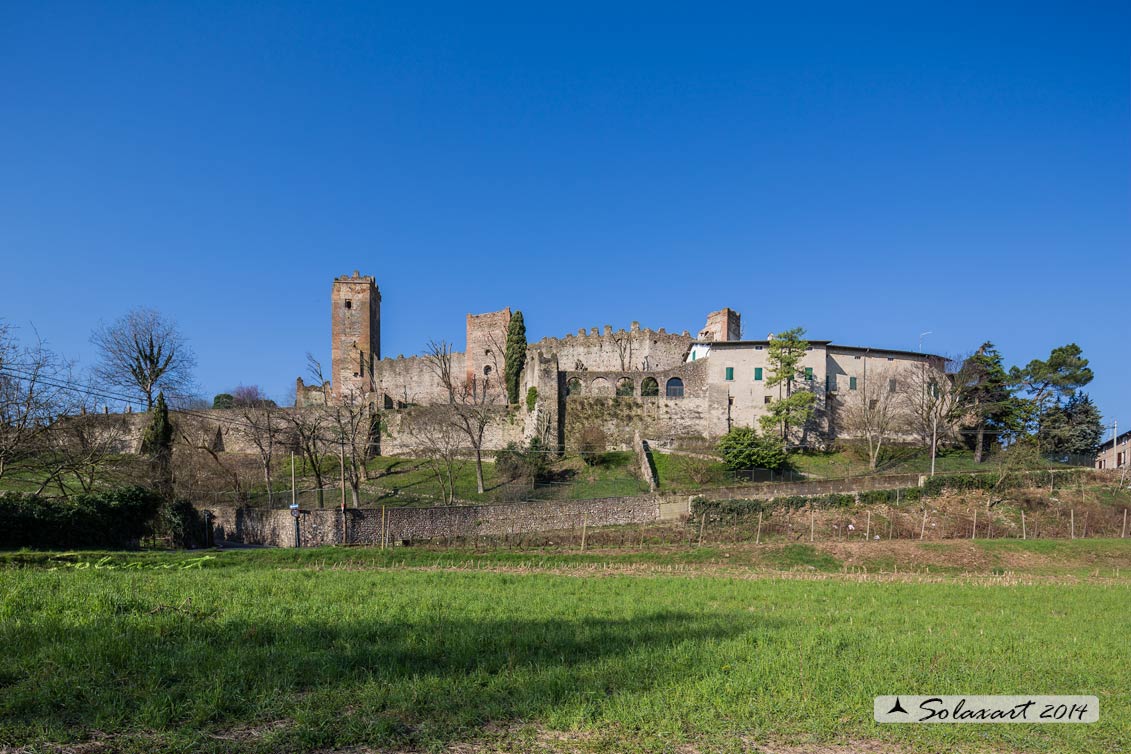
869 173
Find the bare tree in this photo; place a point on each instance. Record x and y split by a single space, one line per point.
145 351
309 433
874 412
34 394
83 450
474 403
353 424
436 439
932 403
263 427
623 343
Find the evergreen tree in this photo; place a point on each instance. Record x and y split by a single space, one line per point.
1049 382
157 443
987 394
792 408
1071 428
515 356
744 449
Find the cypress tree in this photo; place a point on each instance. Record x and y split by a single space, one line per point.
515 355
157 443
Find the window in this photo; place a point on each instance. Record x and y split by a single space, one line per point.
649 387
890 358
872 404
349 304
766 400
674 388
625 388
487 371
573 386
891 385
757 348
757 374
693 356
809 373
851 383
730 374
856 357
830 383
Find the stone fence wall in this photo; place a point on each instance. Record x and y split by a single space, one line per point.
767 490
363 526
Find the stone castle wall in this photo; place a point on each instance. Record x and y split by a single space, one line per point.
634 350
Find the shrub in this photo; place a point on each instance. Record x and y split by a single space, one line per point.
694 469
115 518
514 462
224 400
744 449
531 398
591 444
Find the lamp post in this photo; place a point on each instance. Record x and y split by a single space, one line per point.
921 336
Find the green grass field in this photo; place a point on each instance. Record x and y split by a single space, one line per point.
414 649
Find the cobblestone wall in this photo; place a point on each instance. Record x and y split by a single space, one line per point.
363 526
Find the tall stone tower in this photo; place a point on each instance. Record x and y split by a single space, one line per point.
355 332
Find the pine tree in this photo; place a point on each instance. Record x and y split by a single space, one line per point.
157 443
1071 428
986 391
791 409
515 356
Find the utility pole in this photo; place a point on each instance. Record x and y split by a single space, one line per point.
921 336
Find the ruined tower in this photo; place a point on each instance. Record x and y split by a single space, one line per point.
486 346
355 332
725 324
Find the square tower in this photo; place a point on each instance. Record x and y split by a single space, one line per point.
723 325
355 332
486 346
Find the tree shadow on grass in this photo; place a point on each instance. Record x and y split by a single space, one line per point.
423 683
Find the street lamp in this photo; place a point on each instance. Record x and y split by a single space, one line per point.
921 336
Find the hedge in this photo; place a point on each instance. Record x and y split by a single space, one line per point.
933 487
115 518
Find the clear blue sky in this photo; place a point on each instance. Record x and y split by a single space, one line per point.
869 173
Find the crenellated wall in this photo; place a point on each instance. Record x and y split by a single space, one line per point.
634 350
409 380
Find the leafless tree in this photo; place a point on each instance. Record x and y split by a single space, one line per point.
932 405
34 393
250 396
474 403
83 450
438 360
623 343
309 434
353 423
874 412
144 350
436 439
263 427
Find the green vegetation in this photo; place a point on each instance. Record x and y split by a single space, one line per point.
793 407
103 519
318 650
743 449
514 356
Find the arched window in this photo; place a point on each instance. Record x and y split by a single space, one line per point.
649 387
675 388
625 388
573 386
487 371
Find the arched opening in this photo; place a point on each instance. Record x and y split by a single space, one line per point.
649 388
573 386
625 388
674 388
601 386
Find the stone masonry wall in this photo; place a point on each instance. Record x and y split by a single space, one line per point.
636 350
363 526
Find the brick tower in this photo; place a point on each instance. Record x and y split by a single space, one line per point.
355 332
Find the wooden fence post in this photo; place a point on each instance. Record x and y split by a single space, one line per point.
1124 534
1072 520
812 524
758 536
584 529
1023 525
868 528
974 530
923 528
702 523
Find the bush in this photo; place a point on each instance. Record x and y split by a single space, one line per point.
224 400
531 398
115 518
694 469
514 462
744 449
743 508
591 445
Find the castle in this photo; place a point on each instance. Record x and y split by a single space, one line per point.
666 386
